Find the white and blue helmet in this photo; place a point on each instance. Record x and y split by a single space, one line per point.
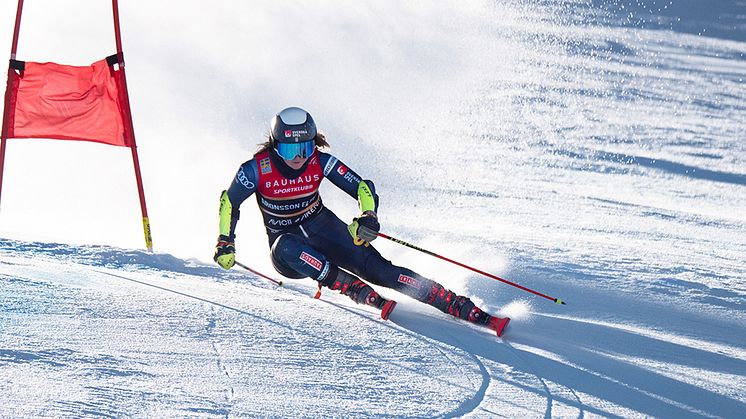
293 133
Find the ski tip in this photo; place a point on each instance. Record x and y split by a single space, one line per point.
502 326
387 309
280 283
559 301
499 324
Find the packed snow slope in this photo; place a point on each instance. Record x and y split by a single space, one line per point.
106 332
591 150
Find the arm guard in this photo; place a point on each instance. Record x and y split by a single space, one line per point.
228 218
366 196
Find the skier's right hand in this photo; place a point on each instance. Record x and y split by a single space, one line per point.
225 252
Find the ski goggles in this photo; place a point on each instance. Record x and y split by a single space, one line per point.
289 151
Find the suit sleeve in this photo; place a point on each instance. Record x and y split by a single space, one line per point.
243 186
346 179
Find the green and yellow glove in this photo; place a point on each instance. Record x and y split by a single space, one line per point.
225 252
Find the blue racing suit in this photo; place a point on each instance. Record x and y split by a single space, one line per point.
309 240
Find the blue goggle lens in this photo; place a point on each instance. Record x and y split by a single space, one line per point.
289 151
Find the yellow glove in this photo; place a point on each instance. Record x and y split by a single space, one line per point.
225 253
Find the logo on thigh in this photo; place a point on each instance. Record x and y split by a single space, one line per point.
305 257
404 279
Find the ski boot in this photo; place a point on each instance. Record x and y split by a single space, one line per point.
375 300
360 292
463 308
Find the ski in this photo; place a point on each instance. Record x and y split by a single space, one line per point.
387 309
498 324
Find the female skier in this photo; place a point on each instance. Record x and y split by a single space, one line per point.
308 240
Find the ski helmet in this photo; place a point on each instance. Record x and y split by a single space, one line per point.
293 133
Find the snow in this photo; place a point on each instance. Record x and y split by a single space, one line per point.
590 150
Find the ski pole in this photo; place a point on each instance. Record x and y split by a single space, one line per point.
489 275
258 273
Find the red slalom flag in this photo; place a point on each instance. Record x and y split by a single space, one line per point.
89 103
84 103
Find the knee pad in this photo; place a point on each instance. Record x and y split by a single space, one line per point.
282 250
287 244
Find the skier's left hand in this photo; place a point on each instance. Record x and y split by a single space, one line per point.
365 227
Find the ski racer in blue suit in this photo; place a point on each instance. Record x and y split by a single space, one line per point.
308 240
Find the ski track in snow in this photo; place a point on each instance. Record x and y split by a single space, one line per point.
218 361
550 398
